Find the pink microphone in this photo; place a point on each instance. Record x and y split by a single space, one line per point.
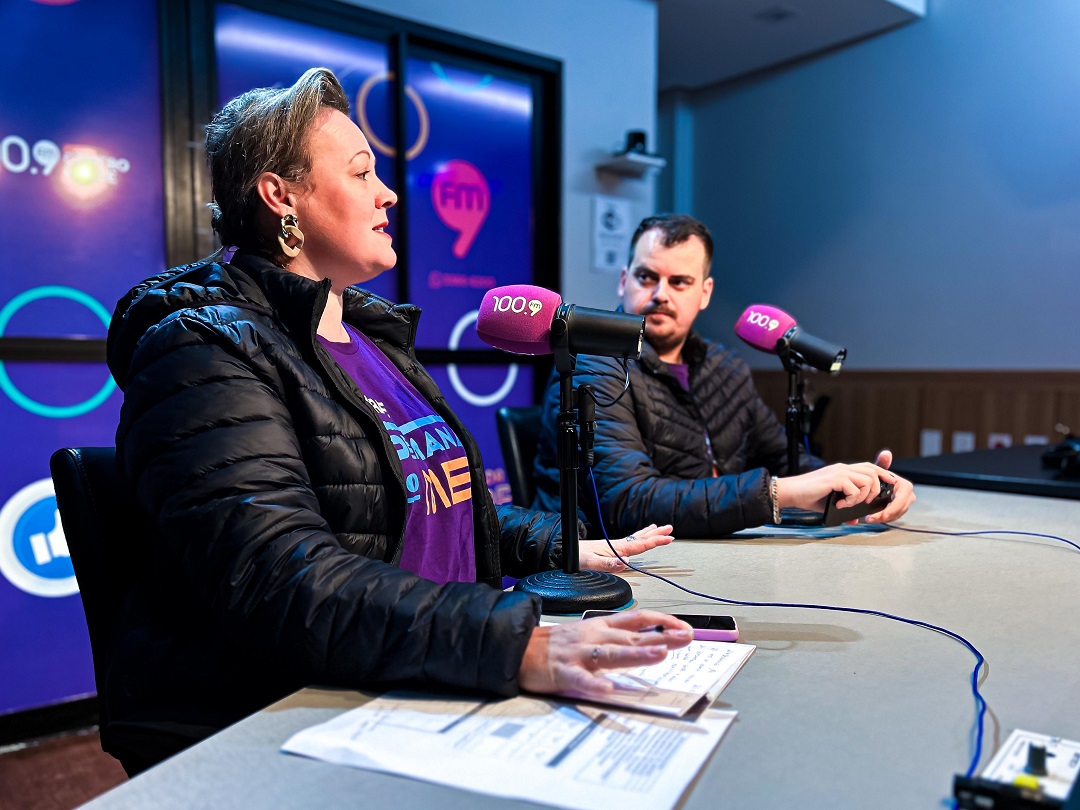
524 319
763 326
770 329
517 318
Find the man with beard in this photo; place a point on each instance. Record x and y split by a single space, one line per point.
690 442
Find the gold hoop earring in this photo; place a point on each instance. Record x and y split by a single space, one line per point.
291 238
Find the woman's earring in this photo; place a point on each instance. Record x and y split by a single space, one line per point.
291 238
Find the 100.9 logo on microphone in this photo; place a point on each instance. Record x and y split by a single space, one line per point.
761 319
515 303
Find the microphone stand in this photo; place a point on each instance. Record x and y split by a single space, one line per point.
798 415
572 590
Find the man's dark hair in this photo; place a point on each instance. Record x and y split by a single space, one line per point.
263 130
675 229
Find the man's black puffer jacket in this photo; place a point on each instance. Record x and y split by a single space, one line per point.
278 508
656 447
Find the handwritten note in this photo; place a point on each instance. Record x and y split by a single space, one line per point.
695 673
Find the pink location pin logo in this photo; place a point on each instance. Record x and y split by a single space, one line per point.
462 200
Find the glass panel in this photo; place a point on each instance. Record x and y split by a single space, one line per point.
470 191
80 162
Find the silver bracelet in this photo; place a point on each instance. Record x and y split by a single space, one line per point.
774 491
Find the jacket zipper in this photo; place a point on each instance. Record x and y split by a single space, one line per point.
709 450
364 411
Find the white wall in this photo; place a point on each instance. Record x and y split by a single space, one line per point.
608 51
915 196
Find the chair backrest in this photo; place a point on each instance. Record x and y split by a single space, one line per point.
519 431
817 413
105 536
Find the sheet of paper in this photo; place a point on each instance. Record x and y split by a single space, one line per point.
680 681
1062 762
574 756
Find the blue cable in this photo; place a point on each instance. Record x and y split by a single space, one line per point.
974 534
980 702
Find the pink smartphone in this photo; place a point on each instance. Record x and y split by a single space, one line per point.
711 628
706 627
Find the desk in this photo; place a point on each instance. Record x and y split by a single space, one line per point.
835 710
1005 469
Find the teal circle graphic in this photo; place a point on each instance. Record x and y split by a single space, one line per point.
440 72
17 396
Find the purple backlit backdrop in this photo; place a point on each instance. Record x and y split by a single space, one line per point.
80 166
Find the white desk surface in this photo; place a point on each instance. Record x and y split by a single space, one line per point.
836 710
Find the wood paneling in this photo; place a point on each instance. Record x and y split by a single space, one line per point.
869 410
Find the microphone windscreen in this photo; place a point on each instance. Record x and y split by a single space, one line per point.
517 318
762 325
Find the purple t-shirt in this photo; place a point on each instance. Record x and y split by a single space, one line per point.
681 372
438 518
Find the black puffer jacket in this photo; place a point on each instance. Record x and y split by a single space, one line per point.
656 447
278 506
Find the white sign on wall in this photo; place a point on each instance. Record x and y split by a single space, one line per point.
612 228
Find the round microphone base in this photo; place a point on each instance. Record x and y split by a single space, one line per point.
575 593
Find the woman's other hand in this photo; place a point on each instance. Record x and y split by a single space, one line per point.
596 555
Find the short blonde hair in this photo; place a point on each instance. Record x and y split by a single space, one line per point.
263 130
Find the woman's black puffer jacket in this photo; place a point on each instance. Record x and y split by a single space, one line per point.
277 506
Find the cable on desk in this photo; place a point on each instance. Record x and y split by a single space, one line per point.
980 702
986 531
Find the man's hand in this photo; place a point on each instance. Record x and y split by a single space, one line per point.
859 483
571 657
595 555
903 493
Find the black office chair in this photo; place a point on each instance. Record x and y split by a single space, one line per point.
519 431
106 538
817 413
